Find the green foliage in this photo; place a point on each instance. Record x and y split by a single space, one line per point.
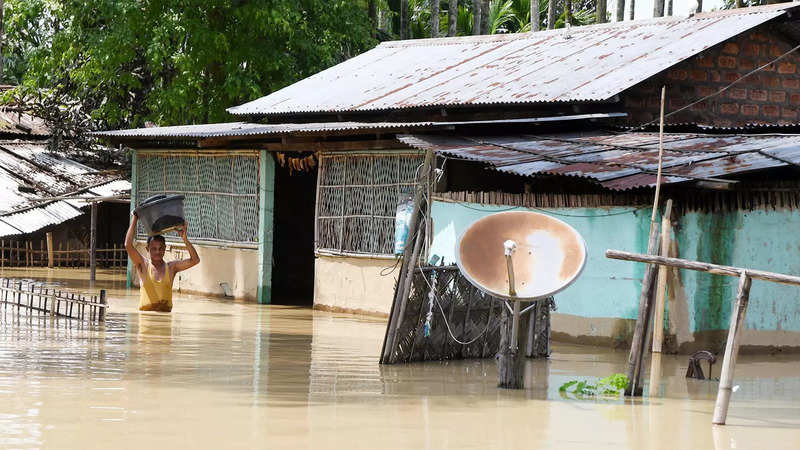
610 386
175 61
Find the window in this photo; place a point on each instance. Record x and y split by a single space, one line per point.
221 190
357 200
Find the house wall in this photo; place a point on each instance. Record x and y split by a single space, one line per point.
234 266
770 96
601 306
354 284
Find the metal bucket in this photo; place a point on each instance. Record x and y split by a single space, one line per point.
161 213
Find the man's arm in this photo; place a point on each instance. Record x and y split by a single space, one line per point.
133 254
194 259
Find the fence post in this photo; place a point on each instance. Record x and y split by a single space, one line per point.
50 250
102 312
93 244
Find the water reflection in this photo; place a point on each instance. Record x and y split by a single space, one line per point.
217 373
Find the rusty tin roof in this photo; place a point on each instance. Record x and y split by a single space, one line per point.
619 161
589 63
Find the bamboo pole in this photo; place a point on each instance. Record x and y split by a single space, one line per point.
642 322
93 244
658 318
50 255
715 269
731 351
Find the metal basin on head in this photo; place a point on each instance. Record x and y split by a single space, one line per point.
549 256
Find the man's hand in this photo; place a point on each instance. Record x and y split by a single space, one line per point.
182 230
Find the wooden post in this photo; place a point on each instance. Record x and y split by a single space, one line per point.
731 350
406 270
509 364
642 321
658 318
102 312
2 253
93 244
28 253
69 255
60 254
50 255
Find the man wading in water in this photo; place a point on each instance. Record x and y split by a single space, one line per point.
156 275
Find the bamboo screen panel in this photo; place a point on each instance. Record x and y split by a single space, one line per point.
221 191
358 198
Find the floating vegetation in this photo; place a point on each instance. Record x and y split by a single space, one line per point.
610 386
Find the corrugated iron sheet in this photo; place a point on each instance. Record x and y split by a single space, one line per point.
590 63
237 129
21 125
619 161
27 165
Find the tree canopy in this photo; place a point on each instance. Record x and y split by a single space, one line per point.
127 62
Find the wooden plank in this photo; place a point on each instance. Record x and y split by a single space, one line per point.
732 350
50 256
715 269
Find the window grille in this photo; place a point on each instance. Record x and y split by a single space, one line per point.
221 191
358 198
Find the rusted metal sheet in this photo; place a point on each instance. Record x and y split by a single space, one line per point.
589 63
20 125
620 161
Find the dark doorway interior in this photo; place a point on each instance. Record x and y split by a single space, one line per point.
293 244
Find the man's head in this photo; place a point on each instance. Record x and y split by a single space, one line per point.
156 246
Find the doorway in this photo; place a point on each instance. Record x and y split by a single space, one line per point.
293 234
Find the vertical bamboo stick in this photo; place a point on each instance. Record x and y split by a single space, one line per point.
658 319
731 351
93 244
50 255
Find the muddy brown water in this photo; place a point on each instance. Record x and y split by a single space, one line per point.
221 374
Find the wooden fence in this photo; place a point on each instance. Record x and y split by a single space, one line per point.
27 253
40 298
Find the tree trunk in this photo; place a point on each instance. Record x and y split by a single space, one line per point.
669 8
372 12
535 15
568 12
700 6
476 16
600 12
485 17
2 38
620 10
551 14
452 18
434 18
739 4
632 9
403 19
658 8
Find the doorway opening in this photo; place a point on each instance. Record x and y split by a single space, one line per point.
293 232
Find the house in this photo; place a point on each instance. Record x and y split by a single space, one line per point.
305 187
41 192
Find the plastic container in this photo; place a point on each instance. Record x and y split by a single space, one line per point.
161 213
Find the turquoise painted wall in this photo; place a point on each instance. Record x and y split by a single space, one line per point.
266 225
766 240
609 288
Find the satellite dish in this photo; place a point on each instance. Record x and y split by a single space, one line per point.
548 257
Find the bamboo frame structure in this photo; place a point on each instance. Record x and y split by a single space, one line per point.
36 297
737 318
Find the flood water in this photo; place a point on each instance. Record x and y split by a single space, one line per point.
223 374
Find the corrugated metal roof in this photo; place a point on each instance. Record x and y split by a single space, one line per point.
28 164
21 125
619 161
589 63
234 129
241 129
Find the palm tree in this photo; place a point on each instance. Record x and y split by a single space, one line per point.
551 14
621 10
600 12
403 19
452 17
434 18
476 16
501 16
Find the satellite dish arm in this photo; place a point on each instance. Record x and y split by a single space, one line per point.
510 246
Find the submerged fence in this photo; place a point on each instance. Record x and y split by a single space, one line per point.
38 297
446 317
32 253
